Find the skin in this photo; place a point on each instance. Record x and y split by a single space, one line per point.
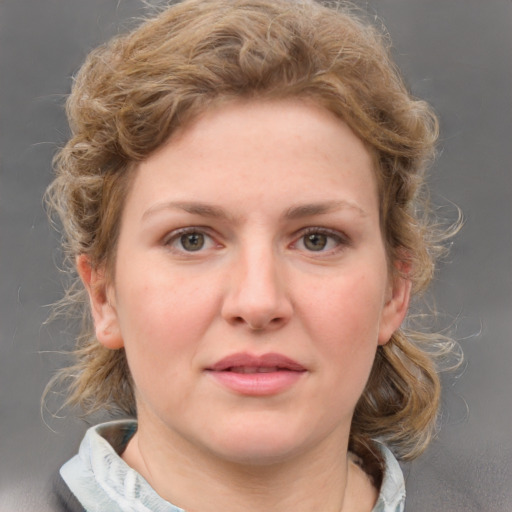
252 180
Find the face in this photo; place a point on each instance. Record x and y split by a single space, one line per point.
251 287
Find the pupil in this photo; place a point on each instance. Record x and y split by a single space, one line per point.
315 241
192 241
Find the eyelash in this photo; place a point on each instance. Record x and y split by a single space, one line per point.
340 239
176 236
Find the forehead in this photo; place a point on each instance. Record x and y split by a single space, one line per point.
260 150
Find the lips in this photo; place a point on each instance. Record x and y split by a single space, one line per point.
254 369
251 375
265 363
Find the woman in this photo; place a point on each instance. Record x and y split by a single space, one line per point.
241 197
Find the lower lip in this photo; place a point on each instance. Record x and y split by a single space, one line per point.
257 384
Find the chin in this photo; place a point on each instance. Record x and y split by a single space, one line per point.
257 455
260 445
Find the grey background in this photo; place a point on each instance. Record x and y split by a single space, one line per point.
454 53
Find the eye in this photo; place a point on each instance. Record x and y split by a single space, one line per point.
321 240
192 241
315 241
189 240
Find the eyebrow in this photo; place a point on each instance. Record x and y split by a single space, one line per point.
293 213
202 209
309 210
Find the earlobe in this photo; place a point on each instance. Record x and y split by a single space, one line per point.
102 307
395 308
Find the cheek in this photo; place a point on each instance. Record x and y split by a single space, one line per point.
345 321
162 321
347 305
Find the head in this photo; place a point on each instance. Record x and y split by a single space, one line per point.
137 91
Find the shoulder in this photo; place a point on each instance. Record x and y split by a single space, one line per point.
392 490
102 481
63 499
97 472
379 469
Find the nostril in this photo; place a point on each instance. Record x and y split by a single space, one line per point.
263 323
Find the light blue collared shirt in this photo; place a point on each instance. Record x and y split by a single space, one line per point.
101 480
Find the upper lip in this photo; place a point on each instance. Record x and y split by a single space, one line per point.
244 360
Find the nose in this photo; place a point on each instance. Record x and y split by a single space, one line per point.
257 295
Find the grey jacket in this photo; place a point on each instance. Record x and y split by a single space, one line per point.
101 480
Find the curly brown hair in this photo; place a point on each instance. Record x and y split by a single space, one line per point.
133 92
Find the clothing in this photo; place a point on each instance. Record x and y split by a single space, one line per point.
61 497
102 481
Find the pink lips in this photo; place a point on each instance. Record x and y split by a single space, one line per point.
267 374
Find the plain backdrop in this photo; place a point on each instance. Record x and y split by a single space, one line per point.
457 54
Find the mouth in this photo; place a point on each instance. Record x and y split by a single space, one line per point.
254 369
250 375
247 363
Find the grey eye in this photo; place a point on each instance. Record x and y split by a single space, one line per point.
192 241
315 241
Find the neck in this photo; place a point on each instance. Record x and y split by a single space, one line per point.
322 479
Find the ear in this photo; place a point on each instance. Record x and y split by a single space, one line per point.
395 308
102 302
